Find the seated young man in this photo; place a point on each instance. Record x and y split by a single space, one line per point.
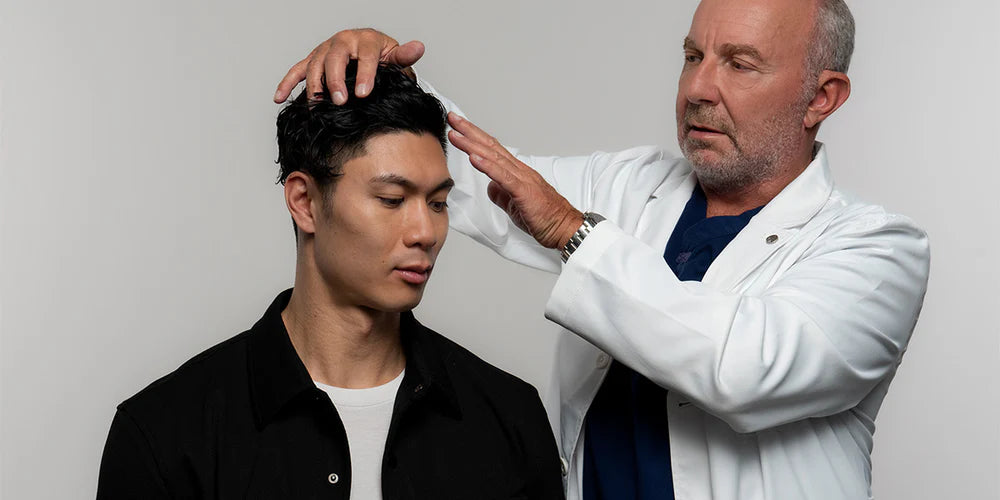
337 391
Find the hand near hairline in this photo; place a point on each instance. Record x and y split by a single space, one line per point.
531 202
330 59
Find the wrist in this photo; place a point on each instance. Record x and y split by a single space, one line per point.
569 228
590 222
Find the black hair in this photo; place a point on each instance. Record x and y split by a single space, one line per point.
317 137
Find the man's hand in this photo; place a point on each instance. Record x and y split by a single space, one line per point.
330 58
532 204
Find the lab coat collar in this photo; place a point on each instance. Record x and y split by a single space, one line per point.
803 197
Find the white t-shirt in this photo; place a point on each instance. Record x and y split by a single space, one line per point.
366 414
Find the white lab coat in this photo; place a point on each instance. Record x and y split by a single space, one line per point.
776 363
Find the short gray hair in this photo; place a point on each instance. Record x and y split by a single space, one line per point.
832 41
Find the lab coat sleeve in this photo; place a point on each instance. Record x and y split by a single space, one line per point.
815 343
472 213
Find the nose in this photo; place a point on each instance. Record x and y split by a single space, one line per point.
699 83
421 230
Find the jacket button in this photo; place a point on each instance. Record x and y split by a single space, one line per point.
603 360
772 239
418 388
333 478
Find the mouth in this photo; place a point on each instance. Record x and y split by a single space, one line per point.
703 129
414 274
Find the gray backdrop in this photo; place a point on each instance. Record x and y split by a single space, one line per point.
140 224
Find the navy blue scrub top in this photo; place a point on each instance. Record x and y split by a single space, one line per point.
626 445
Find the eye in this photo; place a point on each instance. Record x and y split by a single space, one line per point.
691 58
738 66
439 206
391 202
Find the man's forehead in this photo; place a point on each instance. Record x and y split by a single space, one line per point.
401 158
765 24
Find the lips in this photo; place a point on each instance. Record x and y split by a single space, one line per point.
415 274
699 127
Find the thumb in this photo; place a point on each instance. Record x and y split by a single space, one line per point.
407 54
499 196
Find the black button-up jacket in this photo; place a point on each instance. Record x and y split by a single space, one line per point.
244 420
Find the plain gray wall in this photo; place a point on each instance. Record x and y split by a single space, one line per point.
140 224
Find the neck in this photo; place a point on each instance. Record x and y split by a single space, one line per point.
736 201
342 345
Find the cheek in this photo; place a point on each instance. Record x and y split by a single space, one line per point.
360 234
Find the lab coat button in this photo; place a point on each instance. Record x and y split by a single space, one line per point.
772 239
603 361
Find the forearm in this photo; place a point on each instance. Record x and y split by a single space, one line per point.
806 347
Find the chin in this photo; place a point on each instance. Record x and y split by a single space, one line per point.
399 302
702 159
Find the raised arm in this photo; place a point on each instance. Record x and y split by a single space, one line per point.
813 343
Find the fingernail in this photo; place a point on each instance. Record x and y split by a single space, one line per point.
277 95
338 98
362 89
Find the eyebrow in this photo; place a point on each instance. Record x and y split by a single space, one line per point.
740 49
728 49
407 184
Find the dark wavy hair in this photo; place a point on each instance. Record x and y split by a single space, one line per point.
317 137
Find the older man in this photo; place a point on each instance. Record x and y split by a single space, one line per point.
732 320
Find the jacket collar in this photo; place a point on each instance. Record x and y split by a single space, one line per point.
803 197
277 376
774 225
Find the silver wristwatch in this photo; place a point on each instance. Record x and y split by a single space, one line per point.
590 220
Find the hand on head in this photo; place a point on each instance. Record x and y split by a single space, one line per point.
329 60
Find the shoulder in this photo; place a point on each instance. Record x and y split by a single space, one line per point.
471 374
219 369
848 217
868 240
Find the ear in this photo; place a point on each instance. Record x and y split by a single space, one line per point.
302 197
832 91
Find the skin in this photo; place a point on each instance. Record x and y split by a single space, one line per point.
742 100
365 252
747 111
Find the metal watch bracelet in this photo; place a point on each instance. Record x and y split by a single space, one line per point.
590 220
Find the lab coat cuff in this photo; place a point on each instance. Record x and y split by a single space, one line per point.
564 298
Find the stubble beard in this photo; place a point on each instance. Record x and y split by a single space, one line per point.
757 153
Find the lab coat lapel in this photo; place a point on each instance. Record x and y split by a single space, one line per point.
670 199
774 226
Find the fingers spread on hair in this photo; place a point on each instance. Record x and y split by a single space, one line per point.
296 74
368 59
335 67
